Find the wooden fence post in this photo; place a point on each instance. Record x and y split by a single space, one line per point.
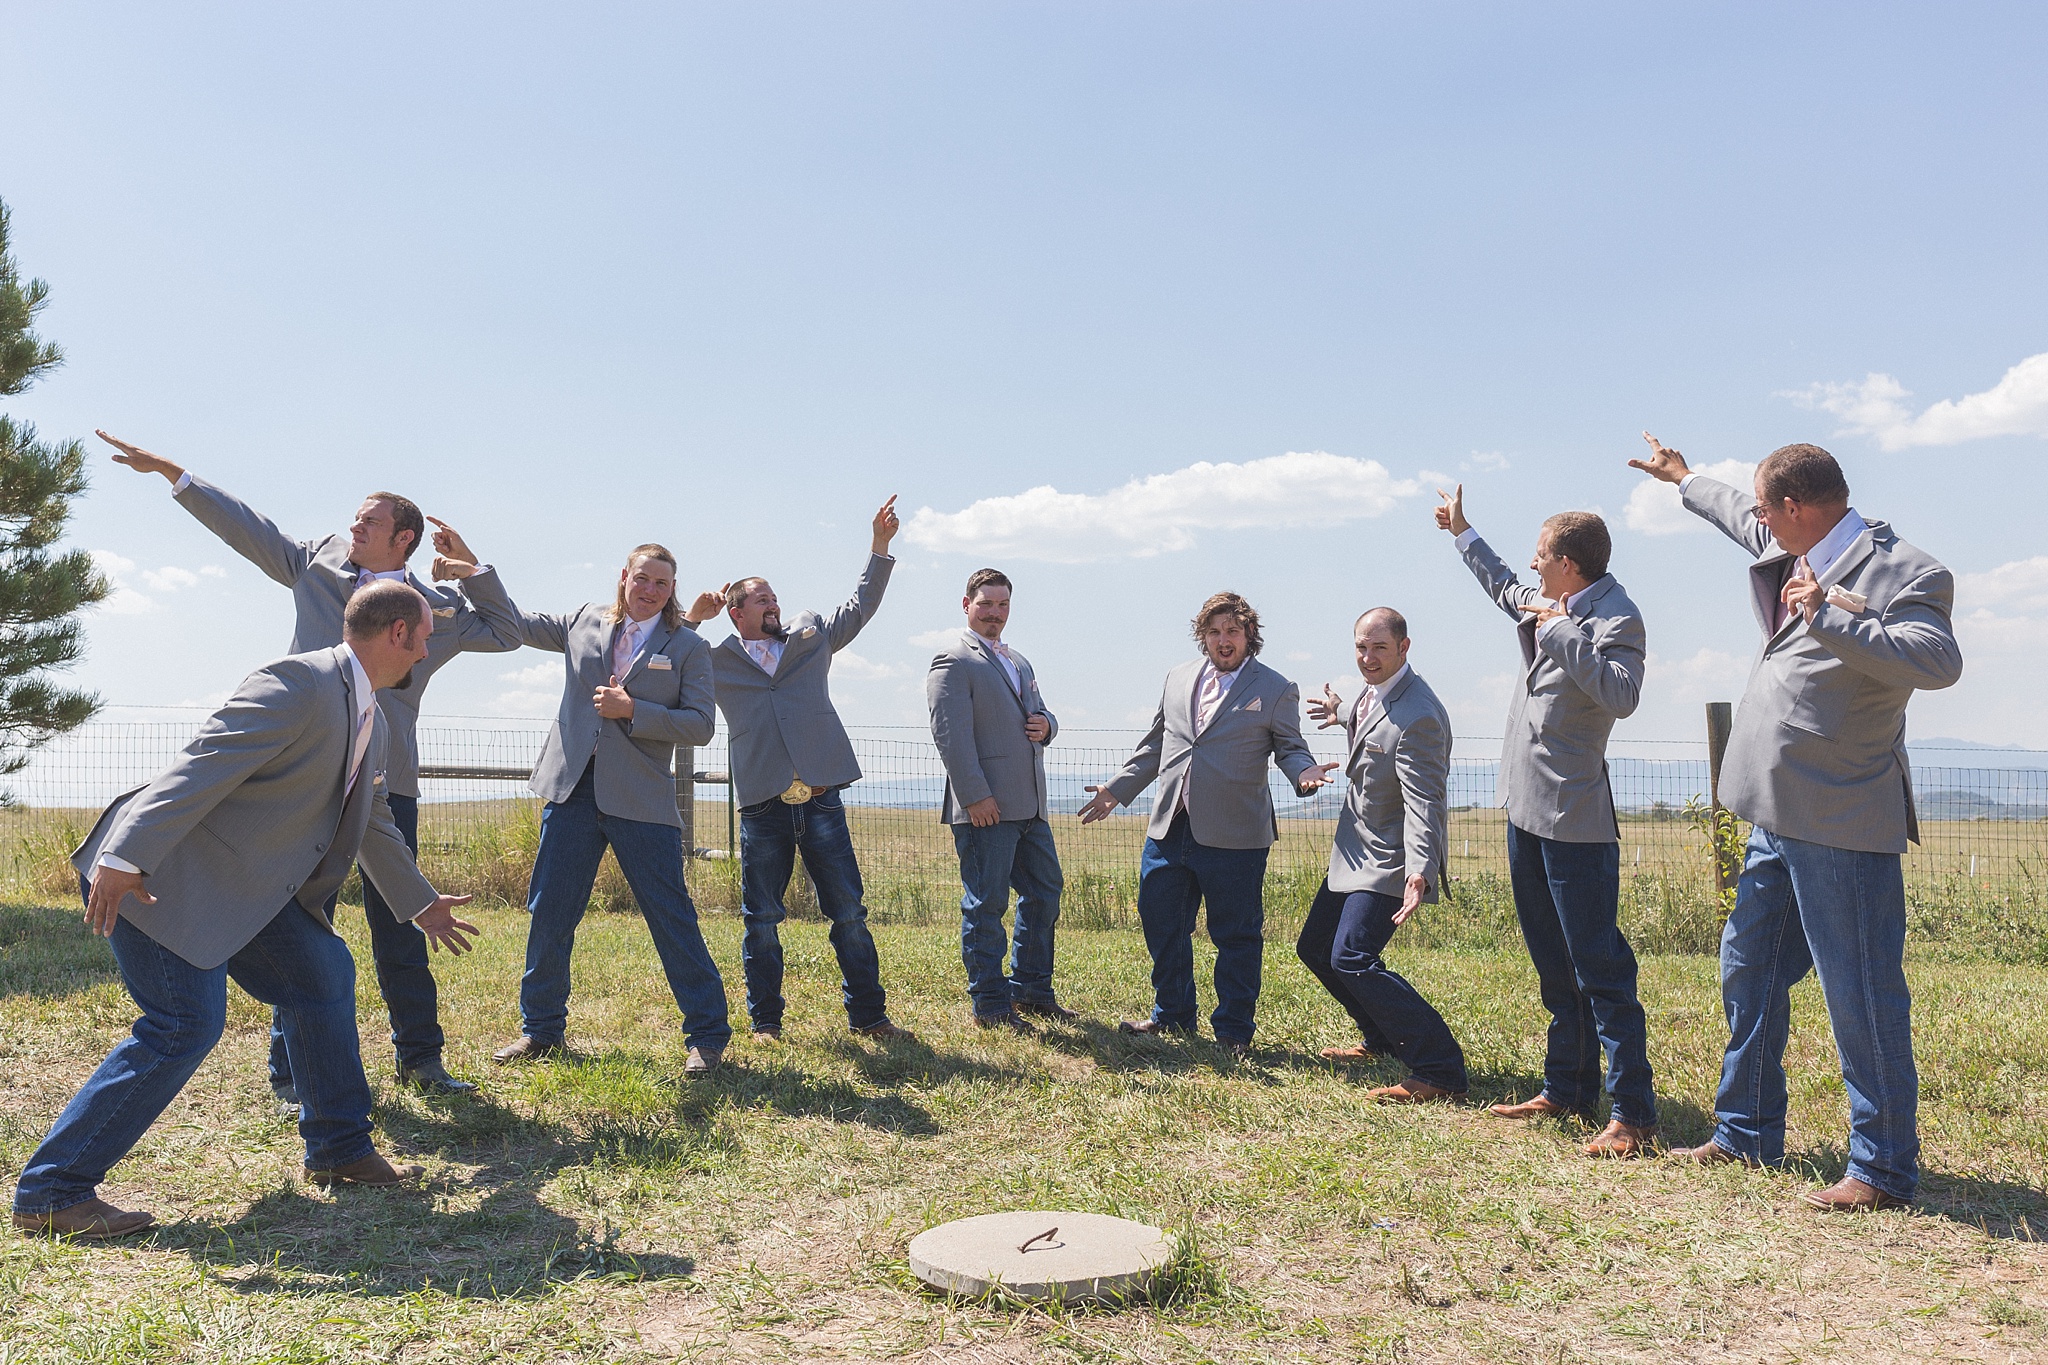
686 796
1720 719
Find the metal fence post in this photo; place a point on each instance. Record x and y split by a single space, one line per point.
686 796
1720 719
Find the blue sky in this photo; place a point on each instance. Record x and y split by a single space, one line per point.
725 277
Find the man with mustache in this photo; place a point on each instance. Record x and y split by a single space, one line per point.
323 573
790 758
1220 718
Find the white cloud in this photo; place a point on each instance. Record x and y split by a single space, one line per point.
1484 462
534 691
119 571
936 639
848 664
1655 510
2001 620
170 578
2017 405
1162 512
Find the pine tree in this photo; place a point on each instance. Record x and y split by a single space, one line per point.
41 593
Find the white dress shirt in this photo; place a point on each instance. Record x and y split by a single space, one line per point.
1009 665
1370 697
765 652
1821 557
1210 691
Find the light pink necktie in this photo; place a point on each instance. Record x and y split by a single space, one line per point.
357 749
1212 693
624 648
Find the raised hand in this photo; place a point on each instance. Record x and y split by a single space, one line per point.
110 887
140 460
1451 516
446 568
1664 463
442 929
613 702
1102 805
707 605
1315 776
1544 610
886 526
1326 710
448 541
1802 593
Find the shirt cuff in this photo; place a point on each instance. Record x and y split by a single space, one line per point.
184 482
118 864
1686 480
1466 537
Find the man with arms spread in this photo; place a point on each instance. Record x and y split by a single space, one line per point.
991 728
636 684
1388 858
225 866
1582 669
1853 620
321 574
1219 719
790 757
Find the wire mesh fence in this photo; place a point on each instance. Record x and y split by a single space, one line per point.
1984 829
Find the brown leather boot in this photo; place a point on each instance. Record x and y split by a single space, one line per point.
1849 1195
1414 1090
90 1220
1542 1107
524 1049
373 1171
1620 1139
1708 1153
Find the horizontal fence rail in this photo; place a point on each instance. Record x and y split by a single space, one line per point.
1982 827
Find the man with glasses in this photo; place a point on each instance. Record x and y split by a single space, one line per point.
1853 619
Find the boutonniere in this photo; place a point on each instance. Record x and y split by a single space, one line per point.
1255 704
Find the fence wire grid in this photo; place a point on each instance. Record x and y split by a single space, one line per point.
1979 824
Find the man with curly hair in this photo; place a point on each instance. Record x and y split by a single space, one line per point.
1220 717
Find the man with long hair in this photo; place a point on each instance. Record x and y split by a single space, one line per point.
636 683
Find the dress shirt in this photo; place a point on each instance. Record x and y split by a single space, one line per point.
765 652
1002 653
366 703
1209 694
1821 557
1370 697
626 648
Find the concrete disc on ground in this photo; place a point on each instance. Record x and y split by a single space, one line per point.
1086 1255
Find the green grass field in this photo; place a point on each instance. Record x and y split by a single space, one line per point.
604 1209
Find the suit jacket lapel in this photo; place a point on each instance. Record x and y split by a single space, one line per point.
739 647
1851 559
349 704
988 654
1766 581
1372 718
657 639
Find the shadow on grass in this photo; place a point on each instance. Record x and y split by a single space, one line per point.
47 953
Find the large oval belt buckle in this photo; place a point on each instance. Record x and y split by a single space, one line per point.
799 792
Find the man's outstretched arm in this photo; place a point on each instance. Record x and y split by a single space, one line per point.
246 531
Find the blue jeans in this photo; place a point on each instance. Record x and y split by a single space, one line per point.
1843 914
1567 897
1341 942
994 859
573 837
404 977
772 833
293 964
1175 877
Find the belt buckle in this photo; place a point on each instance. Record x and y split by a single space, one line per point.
798 793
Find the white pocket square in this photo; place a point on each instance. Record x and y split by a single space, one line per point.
661 661
444 612
807 632
1848 601
1255 704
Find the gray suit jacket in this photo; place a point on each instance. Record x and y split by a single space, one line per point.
251 816
670 683
1577 679
1229 805
978 723
1396 819
784 727
1818 749
477 619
